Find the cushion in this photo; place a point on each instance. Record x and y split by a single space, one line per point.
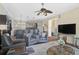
6 40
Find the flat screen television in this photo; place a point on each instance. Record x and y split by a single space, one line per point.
67 28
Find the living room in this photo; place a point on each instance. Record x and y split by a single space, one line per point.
40 34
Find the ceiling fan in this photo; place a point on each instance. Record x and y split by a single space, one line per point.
43 10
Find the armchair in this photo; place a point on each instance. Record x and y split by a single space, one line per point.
7 43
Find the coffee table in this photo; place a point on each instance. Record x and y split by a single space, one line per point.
60 50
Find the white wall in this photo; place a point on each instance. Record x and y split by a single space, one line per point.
69 17
49 27
2 10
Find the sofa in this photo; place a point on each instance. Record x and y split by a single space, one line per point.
19 34
31 36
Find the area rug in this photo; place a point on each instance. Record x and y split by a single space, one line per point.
29 50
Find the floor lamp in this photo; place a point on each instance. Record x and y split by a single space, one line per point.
2 28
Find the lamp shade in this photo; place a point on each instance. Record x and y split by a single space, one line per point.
3 27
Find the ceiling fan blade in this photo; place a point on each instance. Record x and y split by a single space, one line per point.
38 13
48 11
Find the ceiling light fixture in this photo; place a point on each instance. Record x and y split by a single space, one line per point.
43 11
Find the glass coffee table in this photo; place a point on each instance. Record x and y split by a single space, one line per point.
60 50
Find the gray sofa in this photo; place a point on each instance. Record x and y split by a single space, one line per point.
19 34
31 35
43 37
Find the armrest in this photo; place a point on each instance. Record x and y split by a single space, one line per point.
19 41
15 46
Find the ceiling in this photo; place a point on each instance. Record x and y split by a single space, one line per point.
26 11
